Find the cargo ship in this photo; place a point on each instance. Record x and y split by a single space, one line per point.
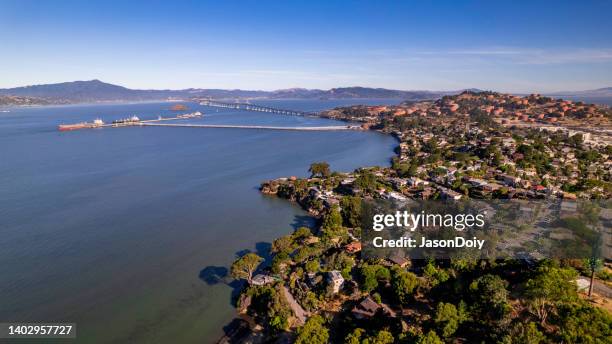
82 125
190 115
127 121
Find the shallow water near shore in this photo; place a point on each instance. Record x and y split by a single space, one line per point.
129 231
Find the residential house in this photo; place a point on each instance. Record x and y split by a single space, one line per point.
369 308
335 278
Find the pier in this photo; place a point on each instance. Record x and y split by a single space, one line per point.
257 108
136 122
158 122
229 126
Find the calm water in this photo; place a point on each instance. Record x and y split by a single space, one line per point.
118 229
595 100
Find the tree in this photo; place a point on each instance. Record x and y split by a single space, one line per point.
448 318
430 338
283 244
371 275
491 296
320 169
310 301
245 266
524 334
333 219
582 323
366 181
312 266
593 264
268 305
354 337
301 233
280 262
434 274
383 337
351 211
548 288
404 283
313 331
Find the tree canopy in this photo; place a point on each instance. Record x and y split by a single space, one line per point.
313 332
319 169
245 266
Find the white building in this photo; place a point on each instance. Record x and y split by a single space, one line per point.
335 278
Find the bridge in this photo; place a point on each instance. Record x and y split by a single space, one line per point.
258 108
230 126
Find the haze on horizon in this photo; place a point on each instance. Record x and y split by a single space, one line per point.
519 46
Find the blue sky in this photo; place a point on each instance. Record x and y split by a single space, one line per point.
509 46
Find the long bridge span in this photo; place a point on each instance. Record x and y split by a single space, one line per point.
230 126
258 108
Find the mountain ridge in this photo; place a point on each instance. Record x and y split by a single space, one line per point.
99 91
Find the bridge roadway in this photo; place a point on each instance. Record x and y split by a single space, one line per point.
230 126
258 108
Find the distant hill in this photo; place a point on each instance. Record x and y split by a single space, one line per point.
352 93
98 91
24 101
600 92
85 91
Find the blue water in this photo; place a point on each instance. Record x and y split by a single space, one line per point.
118 229
593 100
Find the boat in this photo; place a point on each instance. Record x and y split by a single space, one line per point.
190 115
131 120
178 107
76 126
81 125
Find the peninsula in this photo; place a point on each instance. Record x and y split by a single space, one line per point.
318 286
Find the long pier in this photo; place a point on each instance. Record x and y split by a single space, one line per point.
257 108
229 126
136 122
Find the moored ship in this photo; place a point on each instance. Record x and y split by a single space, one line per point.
127 121
82 125
190 115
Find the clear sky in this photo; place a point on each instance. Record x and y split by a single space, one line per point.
509 46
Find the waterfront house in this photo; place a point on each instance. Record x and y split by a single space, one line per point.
261 279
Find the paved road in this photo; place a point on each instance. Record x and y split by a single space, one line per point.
299 312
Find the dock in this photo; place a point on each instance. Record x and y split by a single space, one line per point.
229 126
136 122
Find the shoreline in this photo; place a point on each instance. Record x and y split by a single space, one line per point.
325 193
240 329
